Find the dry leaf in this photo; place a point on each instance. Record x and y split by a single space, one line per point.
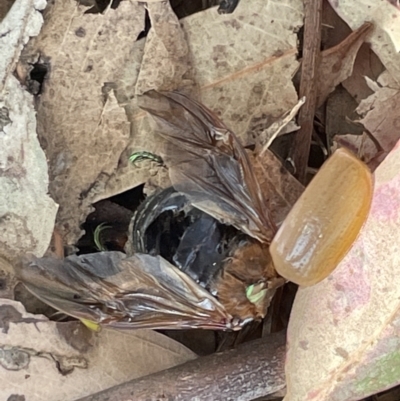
366 66
242 64
166 55
334 31
44 360
381 117
337 62
246 69
384 14
81 126
27 213
343 332
340 114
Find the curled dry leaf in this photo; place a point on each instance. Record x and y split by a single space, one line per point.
343 332
74 361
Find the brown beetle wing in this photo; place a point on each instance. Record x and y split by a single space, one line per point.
141 291
208 163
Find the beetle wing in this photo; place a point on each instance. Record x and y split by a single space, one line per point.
208 163
141 291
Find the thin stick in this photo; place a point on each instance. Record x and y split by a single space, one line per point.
311 53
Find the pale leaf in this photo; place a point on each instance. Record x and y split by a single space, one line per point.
27 213
343 333
384 14
45 360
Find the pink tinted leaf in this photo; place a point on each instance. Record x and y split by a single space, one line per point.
343 338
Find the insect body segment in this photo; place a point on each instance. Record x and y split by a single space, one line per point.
218 257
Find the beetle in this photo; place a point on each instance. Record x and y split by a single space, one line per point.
209 166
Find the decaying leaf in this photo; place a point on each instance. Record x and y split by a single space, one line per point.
343 333
384 14
81 127
27 213
241 63
166 62
341 115
44 360
381 117
366 63
337 62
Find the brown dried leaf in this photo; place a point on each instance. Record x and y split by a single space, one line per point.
337 62
165 60
385 40
242 64
366 64
81 126
74 361
381 117
341 113
381 114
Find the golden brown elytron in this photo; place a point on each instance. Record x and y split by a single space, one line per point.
325 221
208 164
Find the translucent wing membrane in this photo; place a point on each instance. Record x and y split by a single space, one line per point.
207 162
140 291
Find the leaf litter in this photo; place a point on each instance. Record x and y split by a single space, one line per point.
89 124
74 360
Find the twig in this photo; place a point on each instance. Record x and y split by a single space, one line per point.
311 52
253 370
